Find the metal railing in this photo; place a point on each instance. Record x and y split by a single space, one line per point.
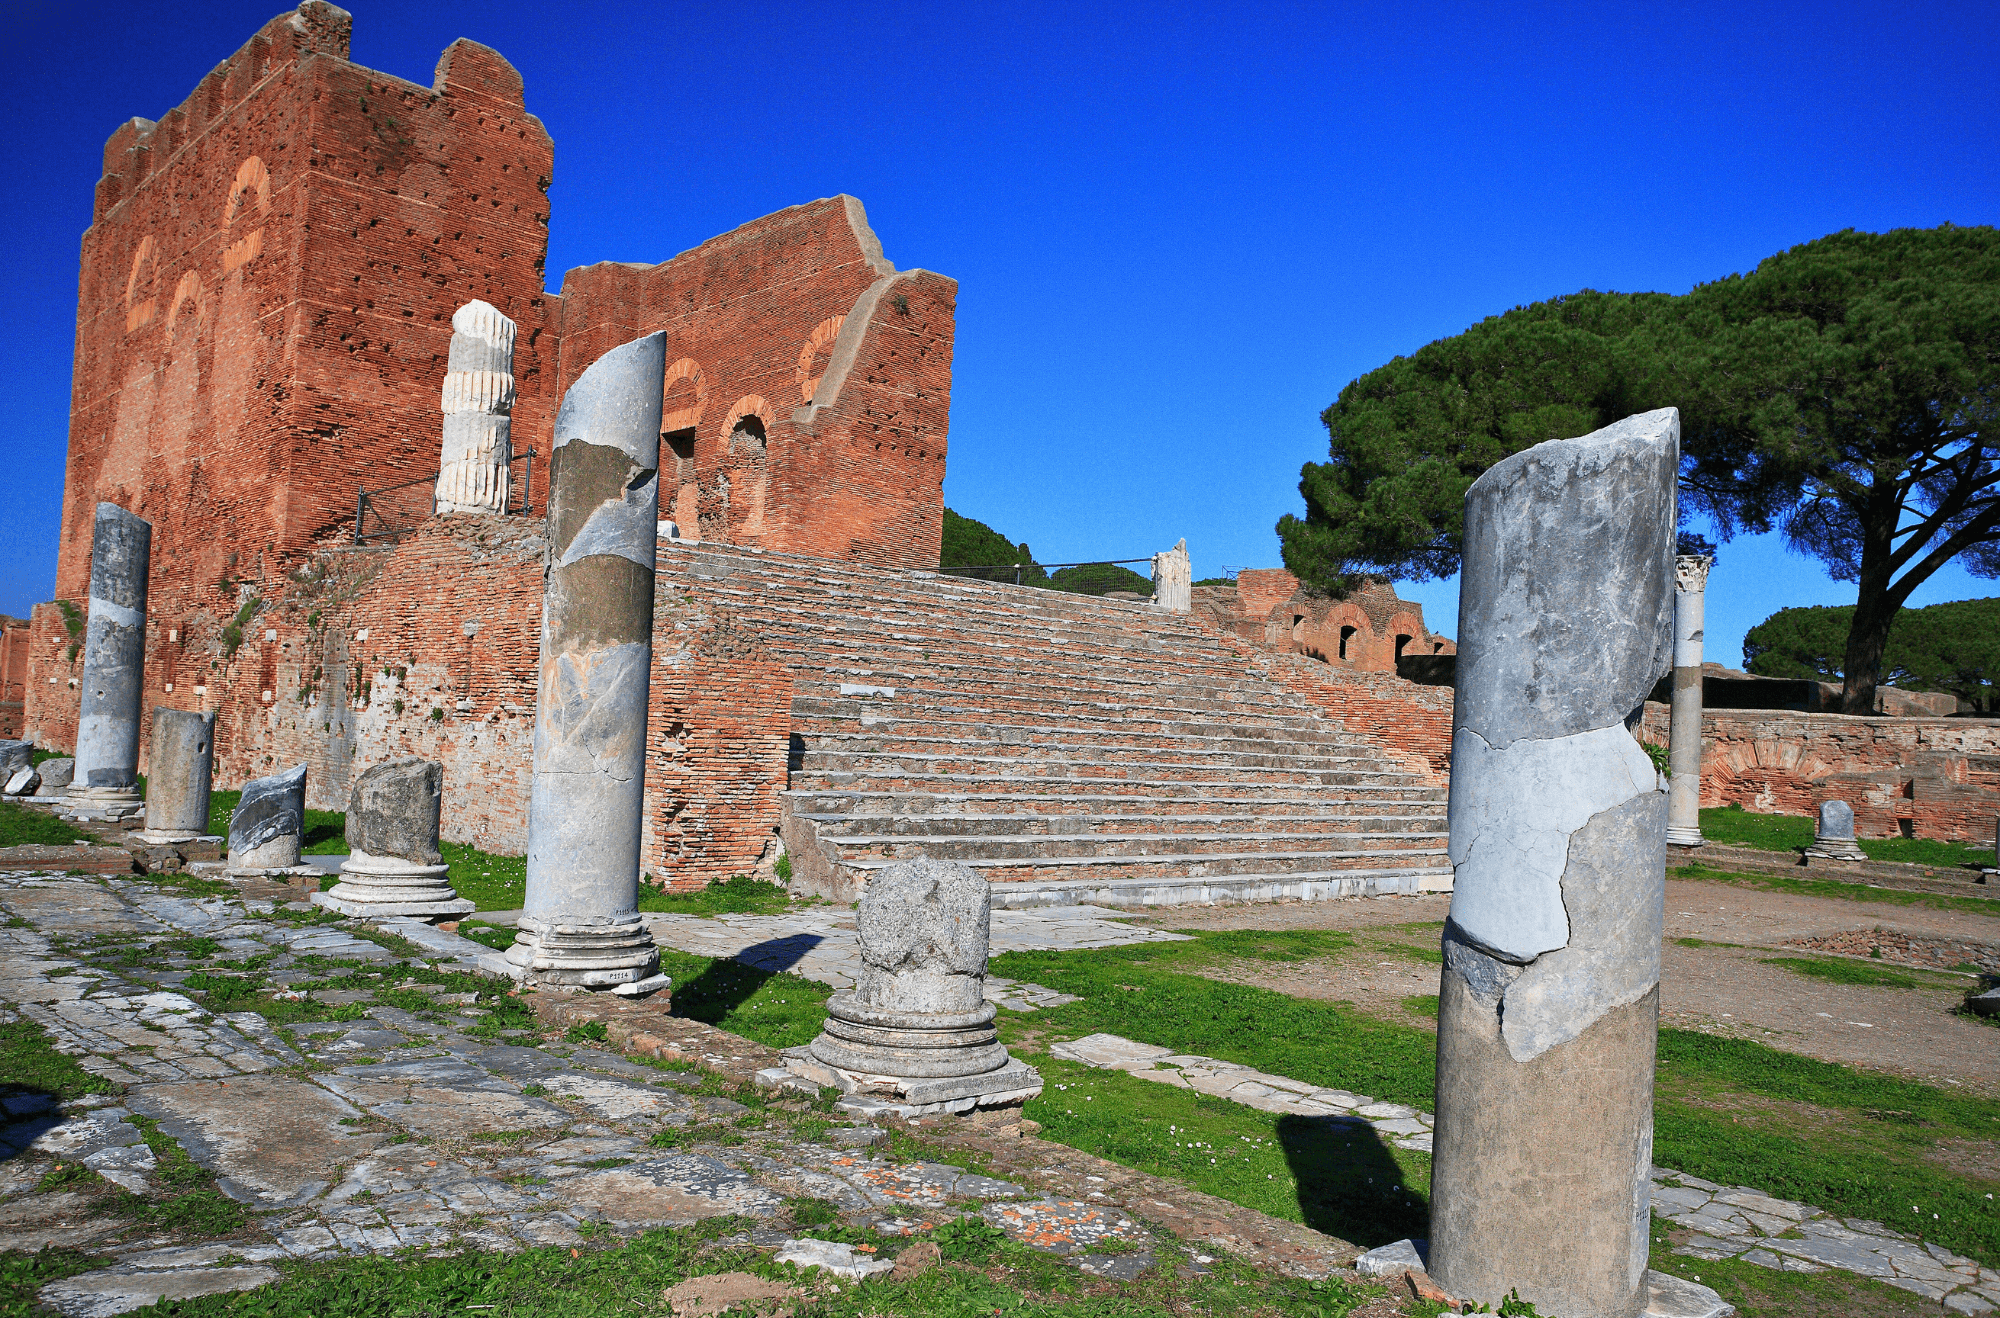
395 510
1097 577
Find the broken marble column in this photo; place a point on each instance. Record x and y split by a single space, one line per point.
106 784
15 768
1549 996
268 826
1833 833
393 865
1173 579
581 924
1684 735
178 775
915 1034
478 396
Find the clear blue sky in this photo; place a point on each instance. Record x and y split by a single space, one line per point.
1178 230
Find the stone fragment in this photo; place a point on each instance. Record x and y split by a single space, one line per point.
1833 833
1668 1296
22 782
1684 734
56 776
1549 996
178 771
840 1260
581 924
114 660
1385 1260
1173 579
101 1294
478 395
14 757
394 867
916 1031
268 825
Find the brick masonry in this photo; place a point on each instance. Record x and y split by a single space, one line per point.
1366 632
14 649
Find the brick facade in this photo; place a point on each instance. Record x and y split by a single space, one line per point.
13 677
1925 777
264 307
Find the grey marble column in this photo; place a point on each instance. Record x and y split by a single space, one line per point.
581 925
179 769
1684 737
1549 997
106 785
268 826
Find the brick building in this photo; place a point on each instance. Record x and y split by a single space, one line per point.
1368 632
264 319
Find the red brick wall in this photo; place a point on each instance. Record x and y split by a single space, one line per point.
796 322
13 677
1269 608
1940 776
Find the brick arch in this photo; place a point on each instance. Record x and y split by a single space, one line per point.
685 418
1406 624
140 311
749 405
1344 613
820 340
189 290
251 177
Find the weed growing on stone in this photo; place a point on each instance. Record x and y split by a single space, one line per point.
22 1274
20 827
30 1064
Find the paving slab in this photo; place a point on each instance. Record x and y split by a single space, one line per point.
666 1191
271 1141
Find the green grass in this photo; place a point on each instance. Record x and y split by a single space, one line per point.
1337 1178
741 894
1841 970
21 826
1743 828
557 1282
1760 1292
29 1063
1852 1142
780 1010
23 1274
1847 892
497 883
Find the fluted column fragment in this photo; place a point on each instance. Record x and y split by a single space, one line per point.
478 396
1684 736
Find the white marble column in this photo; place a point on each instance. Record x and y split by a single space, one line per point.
1684 738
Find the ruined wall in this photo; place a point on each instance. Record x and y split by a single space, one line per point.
1922 777
14 645
808 383
1363 633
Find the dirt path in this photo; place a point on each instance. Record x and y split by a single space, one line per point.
1722 986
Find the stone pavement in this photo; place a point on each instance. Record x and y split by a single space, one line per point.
1732 1222
400 1128
819 942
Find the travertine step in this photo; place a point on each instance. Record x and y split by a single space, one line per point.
1069 748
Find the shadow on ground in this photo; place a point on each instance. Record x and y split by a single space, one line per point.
1350 1184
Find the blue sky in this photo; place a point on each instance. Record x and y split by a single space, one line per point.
1178 230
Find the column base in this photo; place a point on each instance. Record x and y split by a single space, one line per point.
1839 849
103 804
384 886
1685 837
593 952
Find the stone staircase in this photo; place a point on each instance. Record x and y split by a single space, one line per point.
1072 749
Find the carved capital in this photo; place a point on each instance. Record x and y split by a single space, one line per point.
1691 573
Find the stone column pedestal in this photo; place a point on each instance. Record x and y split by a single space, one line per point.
1684 736
916 1035
181 765
106 785
1173 579
581 925
1833 833
268 828
394 866
1549 997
